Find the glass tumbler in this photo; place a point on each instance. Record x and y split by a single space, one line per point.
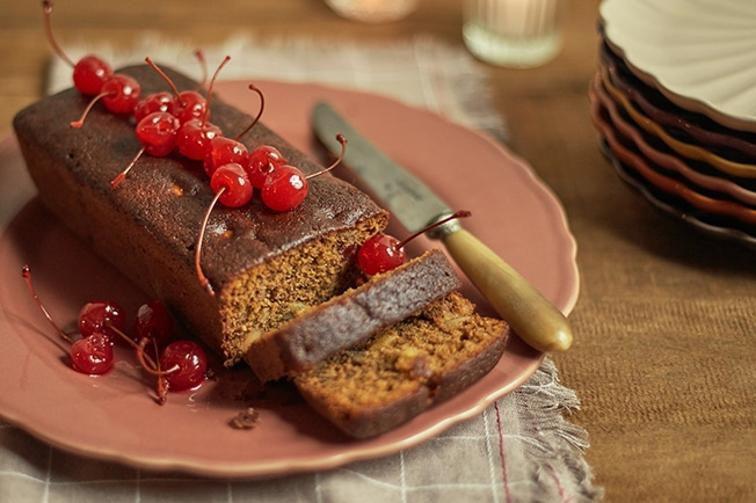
514 33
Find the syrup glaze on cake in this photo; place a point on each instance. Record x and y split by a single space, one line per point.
262 263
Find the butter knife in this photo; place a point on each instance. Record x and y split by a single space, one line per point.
530 315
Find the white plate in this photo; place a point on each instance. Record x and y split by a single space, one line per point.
700 53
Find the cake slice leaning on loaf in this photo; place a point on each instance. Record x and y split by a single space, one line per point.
353 317
405 369
263 265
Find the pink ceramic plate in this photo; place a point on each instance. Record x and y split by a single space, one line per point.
112 417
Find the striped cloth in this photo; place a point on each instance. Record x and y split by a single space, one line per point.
521 449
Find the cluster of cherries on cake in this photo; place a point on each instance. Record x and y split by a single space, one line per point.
178 365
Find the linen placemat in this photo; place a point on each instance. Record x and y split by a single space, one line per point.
521 449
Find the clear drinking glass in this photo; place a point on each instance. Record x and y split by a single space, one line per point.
515 33
373 11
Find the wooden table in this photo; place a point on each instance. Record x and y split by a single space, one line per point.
666 319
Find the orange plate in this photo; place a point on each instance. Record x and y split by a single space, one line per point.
112 417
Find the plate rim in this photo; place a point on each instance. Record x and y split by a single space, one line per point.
692 103
268 469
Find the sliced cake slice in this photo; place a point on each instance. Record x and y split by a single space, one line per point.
353 317
405 369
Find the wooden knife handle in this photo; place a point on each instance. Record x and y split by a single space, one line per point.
531 316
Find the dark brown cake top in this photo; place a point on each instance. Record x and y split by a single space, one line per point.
168 196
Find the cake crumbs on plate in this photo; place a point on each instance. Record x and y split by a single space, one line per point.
245 420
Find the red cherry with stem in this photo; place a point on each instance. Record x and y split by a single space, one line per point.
158 135
222 151
27 275
232 180
155 102
262 162
379 254
90 72
92 355
194 137
188 104
192 106
287 186
99 317
154 322
120 94
225 150
232 189
383 253
191 361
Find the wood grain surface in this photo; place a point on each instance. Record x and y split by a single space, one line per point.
665 325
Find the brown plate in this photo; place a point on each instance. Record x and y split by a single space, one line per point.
657 107
677 209
664 183
667 161
689 150
112 417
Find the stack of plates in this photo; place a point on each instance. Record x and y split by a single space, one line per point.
674 99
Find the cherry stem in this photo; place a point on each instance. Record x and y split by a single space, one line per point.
161 386
252 87
27 275
453 216
47 8
126 338
198 249
153 368
210 87
165 77
80 121
343 142
203 64
120 177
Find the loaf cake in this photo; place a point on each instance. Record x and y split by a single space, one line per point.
351 318
405 369
265 266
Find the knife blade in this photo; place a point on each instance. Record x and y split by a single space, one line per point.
408 198
532 317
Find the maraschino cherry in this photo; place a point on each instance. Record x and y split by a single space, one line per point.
262 162
195 135
157 133
182 366
383 253
100 317
155 102
154 322
226 150
233 189
286 187
90 72
92 354
191 361
120 95
165 101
